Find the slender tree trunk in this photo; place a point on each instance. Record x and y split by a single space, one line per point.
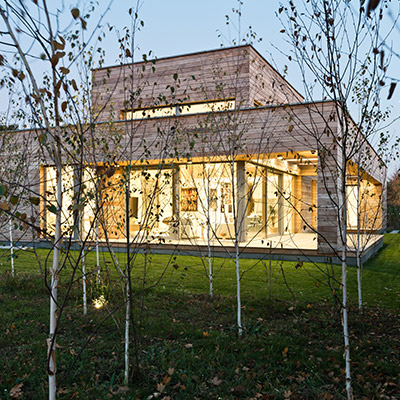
238 212
346 329
343 217
12 250
239 306
53 290
127 339
270 269
128 282
84 282
97 252
210 271
358 255
359 282
82 246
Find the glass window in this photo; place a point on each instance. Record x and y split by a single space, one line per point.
181 109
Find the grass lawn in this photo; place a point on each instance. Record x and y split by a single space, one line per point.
188 346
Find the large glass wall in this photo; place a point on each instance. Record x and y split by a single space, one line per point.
256 208
352 206
151 203
363 204
90 227
206 201
51 191
279 203
287 203
274 213
199 201
111 203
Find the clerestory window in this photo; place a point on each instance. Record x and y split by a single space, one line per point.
179 109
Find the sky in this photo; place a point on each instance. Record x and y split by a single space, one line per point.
173 27
177 27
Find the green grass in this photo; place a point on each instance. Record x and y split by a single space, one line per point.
292 348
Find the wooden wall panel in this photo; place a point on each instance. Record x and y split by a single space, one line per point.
201 76
19 171
267 86
238 72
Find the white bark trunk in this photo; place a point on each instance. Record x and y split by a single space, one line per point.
127 322
12 250
270 278
358 255
346 331
52 345
210 272
84 299
97 252
343 224
53 291
239 305
239 212
359 282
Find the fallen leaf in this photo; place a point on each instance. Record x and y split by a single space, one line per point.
188 345
216 381
160 387
16 391
121 389
238 390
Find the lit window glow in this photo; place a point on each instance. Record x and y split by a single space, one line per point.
182 109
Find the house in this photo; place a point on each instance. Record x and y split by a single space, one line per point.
202 150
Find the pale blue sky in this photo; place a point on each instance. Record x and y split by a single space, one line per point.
177 26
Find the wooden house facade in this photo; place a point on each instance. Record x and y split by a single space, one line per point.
199 151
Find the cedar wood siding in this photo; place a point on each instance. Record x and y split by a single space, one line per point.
267 86
239 73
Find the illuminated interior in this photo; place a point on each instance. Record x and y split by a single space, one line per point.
51 195
200 200
363 204
180 109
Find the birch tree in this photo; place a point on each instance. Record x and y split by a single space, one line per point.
136 175
34 32
340 59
